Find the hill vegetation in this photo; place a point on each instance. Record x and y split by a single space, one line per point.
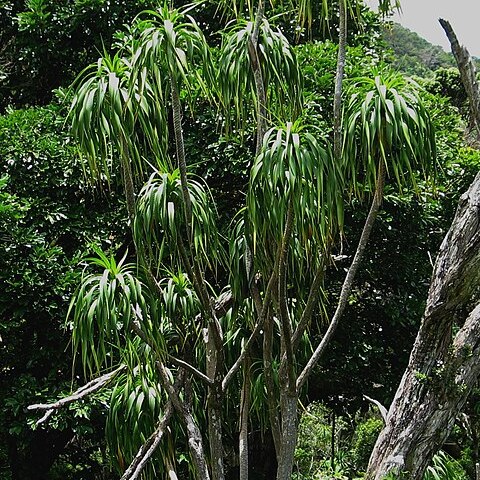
414 55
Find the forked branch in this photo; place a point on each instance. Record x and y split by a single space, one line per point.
82 392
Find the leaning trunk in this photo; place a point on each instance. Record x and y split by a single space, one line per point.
442 369
350 277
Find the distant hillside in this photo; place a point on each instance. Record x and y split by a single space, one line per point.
413 54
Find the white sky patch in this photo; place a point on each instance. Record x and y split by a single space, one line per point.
422 16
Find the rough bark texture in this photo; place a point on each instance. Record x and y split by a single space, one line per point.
289 435
442 368
214 362
194 436
467 74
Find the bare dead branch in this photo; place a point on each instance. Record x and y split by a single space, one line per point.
43 419
82 392
383 410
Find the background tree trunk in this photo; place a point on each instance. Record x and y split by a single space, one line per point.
442 368
468 75
337 98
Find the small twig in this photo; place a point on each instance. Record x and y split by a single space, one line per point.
47 415
187 366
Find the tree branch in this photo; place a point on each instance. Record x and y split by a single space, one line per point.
258 327
311 302
190 368
258 76
285 322
337 98
82 392
148 448
348 283
194 435
467 73
383 410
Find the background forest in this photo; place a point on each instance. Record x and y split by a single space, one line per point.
53 221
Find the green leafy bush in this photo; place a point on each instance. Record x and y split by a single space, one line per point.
445 468
48 217
365 436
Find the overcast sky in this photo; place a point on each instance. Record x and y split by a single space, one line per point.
421 16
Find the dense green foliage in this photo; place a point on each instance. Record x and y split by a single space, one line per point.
45 43
48 218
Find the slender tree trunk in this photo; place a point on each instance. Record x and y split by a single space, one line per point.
441 372
244 415
128 185
214 336
348 283
180 151
468 75
258 77
337 100
272 399
214 404
288 390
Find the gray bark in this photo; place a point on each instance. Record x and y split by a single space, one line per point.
194 436
270 390
442 368
258 77
244 414
289 435
146 451
468 74
180 151
214 362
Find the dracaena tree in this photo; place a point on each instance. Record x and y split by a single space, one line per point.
167 338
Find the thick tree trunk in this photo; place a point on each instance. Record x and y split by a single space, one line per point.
468 75
289 434
442 368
